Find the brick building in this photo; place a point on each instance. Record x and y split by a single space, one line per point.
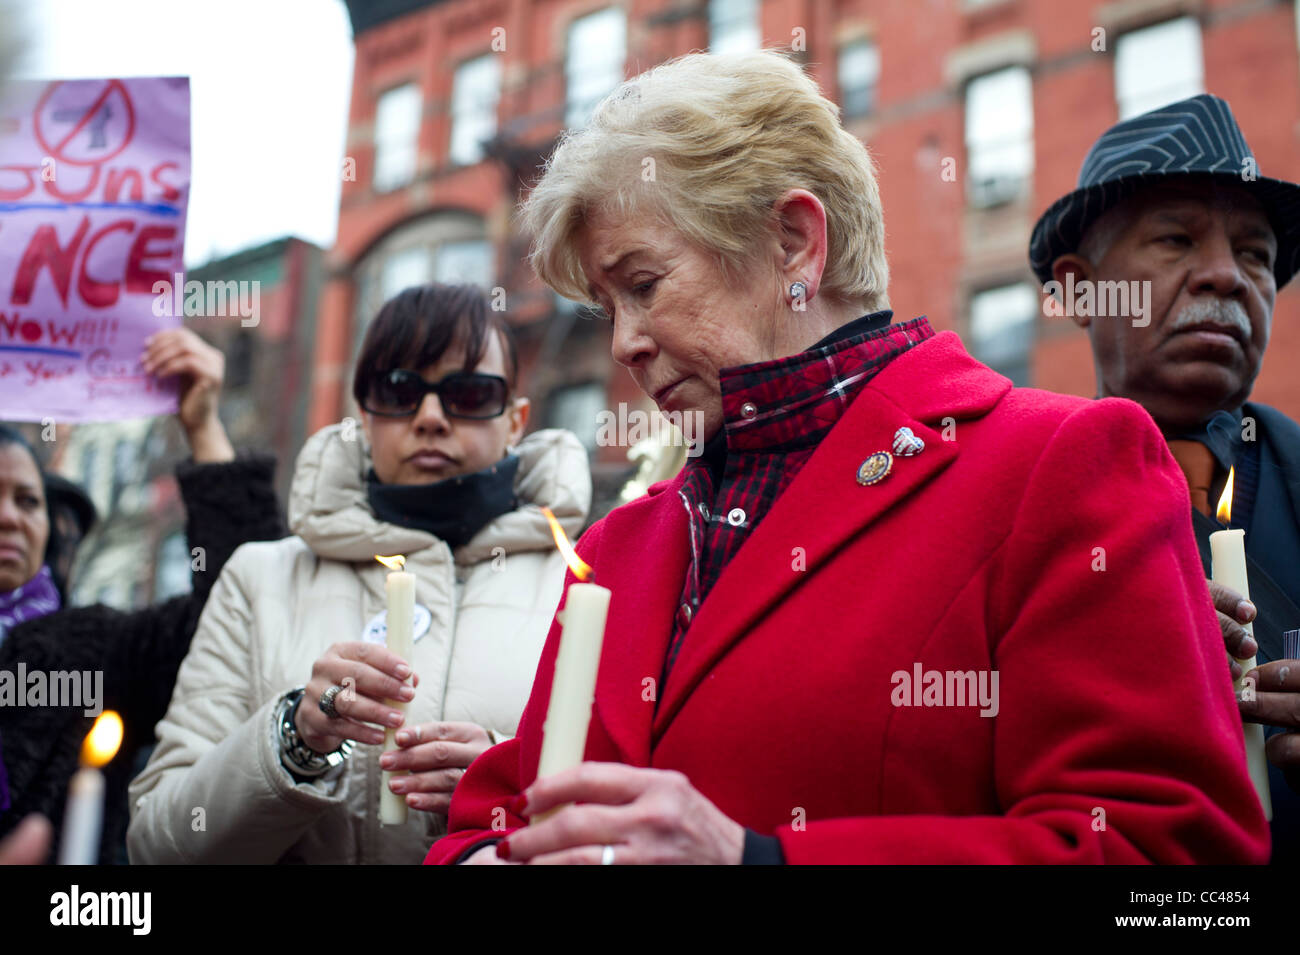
978 114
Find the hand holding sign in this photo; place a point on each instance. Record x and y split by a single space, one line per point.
178 352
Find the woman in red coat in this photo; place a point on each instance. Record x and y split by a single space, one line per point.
897 610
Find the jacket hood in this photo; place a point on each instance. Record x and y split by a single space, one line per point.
329 510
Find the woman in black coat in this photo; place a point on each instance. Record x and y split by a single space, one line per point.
229 501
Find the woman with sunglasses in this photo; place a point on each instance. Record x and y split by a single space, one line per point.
272 749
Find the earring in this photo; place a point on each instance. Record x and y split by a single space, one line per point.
798 290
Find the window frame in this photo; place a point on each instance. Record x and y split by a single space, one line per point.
476 113
577 112
1146 99
385 182
986 193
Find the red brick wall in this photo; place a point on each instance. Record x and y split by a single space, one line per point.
937 252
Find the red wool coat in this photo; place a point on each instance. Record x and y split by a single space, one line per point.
1042 536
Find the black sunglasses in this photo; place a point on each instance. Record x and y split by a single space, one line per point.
399 393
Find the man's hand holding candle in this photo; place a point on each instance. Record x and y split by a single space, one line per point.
1277 703
436 755
1233 611
370 675
1277 684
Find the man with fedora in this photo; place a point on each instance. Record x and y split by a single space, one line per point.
1172 219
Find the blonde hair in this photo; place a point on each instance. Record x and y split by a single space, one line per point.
724 136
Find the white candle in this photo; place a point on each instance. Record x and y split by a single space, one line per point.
1228 563
564 734
400 590
573 687
574 684
83 817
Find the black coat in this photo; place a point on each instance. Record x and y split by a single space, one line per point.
138 651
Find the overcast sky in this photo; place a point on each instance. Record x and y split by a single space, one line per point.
269 82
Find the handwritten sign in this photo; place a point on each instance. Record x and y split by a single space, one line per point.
94 181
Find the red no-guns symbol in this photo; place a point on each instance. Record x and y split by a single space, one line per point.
84 122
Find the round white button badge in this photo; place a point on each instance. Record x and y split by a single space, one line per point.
377 629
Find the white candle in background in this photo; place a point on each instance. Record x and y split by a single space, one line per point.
1228 567
83 818
400 590
573 687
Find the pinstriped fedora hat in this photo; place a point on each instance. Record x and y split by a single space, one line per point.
1196 136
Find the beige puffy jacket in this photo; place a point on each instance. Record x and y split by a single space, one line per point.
215 791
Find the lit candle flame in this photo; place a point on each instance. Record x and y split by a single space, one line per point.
1224 510
103 740
581 569
396 562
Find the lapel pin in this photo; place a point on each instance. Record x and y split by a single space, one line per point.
906 443
875 468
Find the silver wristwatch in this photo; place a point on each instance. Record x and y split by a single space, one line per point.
298 758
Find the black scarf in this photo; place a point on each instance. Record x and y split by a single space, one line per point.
454 509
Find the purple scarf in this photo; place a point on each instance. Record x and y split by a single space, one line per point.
33 599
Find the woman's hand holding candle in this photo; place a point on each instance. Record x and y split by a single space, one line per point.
370 675
436 756
648 816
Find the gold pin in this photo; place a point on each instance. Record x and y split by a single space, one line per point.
875 468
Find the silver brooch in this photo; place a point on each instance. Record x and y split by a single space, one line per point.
906 443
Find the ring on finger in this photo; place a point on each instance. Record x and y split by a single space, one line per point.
327 702
607 855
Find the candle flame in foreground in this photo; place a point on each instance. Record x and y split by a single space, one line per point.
396 562
1224 510
581 569
103 740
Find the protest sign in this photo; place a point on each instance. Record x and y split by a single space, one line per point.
94 181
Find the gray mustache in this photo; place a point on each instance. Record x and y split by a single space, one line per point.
1226 312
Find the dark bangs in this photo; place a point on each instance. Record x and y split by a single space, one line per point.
415 328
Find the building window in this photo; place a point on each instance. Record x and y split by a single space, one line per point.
859 74
593 62
475 90
1002 324
403 269
1158 65
999 136
734 26
397 133
577 408
446 246
470 261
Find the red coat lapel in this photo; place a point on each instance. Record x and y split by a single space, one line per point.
644 547
643 554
